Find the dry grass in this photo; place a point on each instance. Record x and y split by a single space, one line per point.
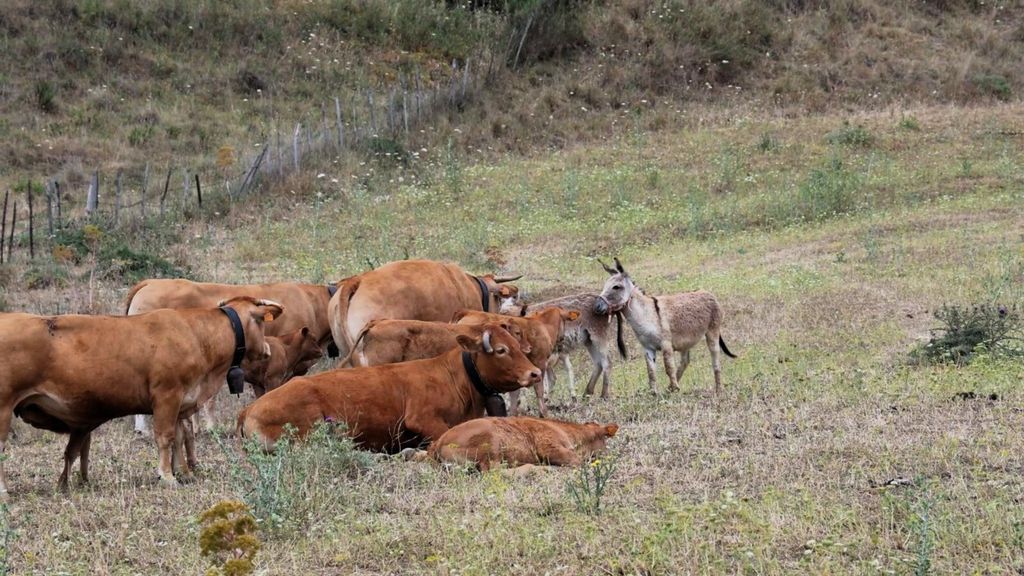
785 473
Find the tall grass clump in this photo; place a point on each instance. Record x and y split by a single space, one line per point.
854 136
827 192
290 488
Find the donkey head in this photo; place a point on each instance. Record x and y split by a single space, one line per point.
617 290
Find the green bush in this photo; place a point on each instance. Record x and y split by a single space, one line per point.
828 192
288 488
121 261
993 85
46 96
852 136
966 330
48 275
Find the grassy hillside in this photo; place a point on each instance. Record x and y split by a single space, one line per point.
828 244
113 84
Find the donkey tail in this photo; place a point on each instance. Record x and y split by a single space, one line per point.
623 351
721 343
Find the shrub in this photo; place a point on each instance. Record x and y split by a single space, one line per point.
853 136
828 192
123 262
993 85
286 489
39 276
229 538
967 330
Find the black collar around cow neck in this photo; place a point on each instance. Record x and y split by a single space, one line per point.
332 348
331 289
485 295
494 404
236 376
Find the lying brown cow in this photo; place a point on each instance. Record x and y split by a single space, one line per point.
391 341
306 305
517 441
291 355
411 290
395 406
541 329
70 374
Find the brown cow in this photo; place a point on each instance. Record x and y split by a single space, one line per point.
391 341
411 290
306 305
291 355
542 329
70 374
521 440
395 406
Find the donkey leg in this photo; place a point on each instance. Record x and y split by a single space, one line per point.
606 374
513 399
542 406
684 361
716 358
652 378
670 366
599 360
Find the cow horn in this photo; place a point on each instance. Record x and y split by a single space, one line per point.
611 271
268 303
509 279
487 342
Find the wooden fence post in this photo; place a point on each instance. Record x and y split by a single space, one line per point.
373 115
167 186
341 125
49 214
60 214
199 191
3 227
31 225
186 183
295 145
145 188
117 198
92 200
14 223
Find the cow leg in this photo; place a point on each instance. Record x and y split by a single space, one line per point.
6 413
74 448
190 443
206 413
165 424
178 459
513 399
141 424
542 406
564 457
652 378
84 457
716 358
670 366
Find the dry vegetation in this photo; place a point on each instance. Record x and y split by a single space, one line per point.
829 222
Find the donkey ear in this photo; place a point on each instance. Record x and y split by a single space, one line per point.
618 266
609 270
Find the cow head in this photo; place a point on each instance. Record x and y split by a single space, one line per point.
545 328
595 438
515 326
303 350
500 359
253 313
617 290
503 296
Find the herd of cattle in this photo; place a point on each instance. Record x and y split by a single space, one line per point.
431 348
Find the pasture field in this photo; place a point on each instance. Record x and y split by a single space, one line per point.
828 239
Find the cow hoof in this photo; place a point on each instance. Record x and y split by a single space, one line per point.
187 478
411 454
169 482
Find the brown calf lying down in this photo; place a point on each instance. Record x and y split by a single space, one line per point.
291 355
521 440
395 406
391 341
70 374
541 329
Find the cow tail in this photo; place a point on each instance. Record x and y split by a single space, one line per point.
619 339
351 358
131 295
339 320
721 343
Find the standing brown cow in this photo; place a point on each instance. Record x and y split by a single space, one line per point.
306 305
70 374
411 290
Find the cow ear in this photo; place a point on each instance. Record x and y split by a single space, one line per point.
459 316
267 311
504 291
611 429
469 344
570 315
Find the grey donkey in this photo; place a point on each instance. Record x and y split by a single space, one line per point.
590 330
671 324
